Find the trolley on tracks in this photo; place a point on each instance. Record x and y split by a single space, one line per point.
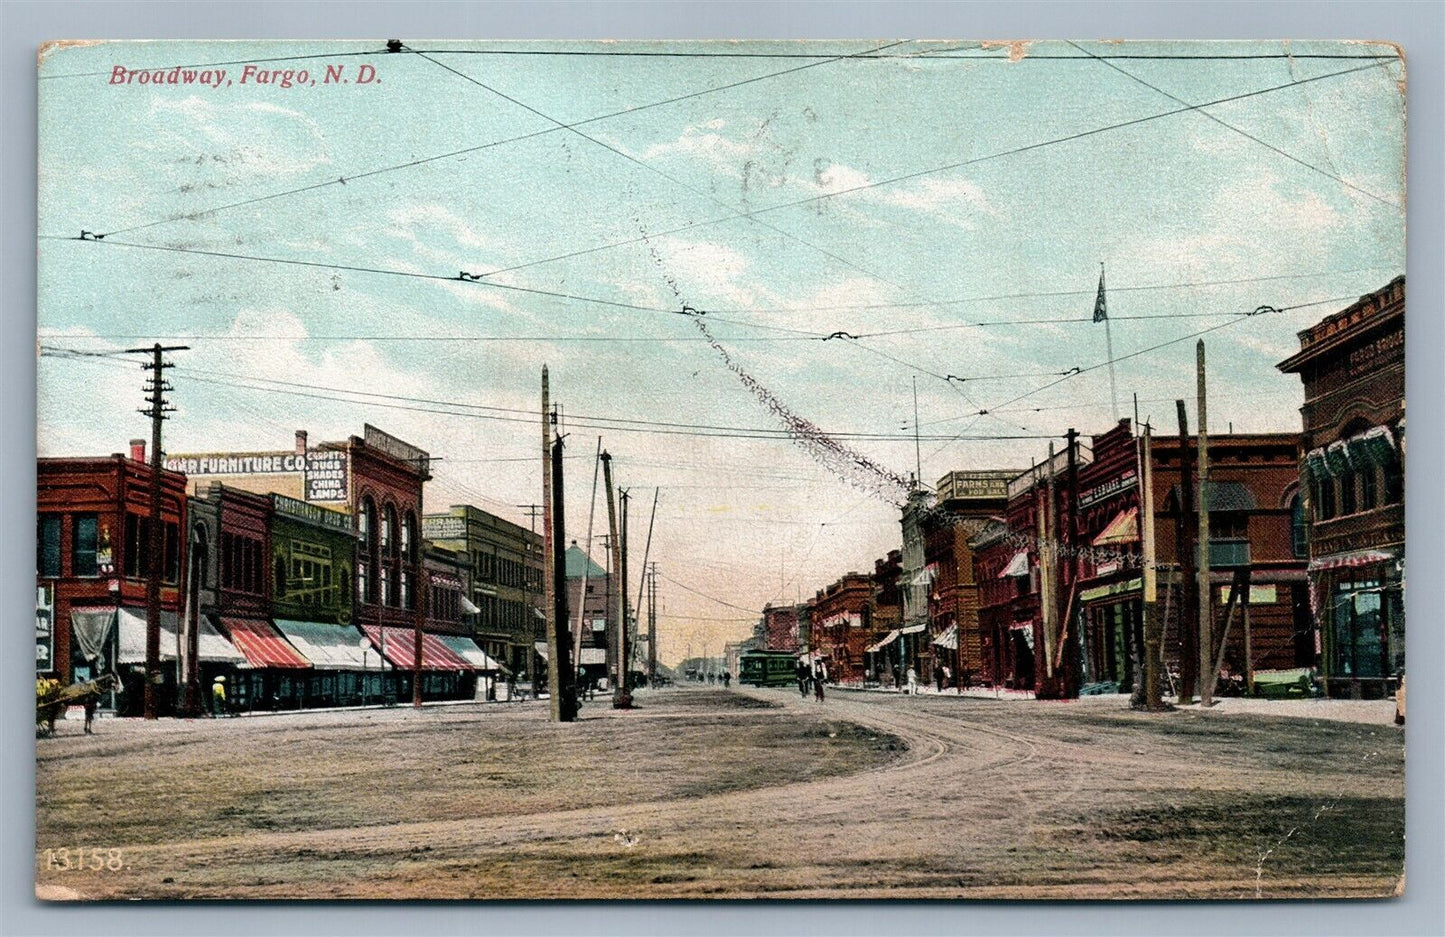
768 668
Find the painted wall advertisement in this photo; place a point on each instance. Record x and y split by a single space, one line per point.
44 628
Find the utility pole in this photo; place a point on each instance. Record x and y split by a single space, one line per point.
1153 625
1047 555
917 452
549 560
529 627
642 582
564 690
421 592
156 387
1206 612
587 563
1185 550
623 699
652 624
615 610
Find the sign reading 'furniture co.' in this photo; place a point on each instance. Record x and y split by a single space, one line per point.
324 470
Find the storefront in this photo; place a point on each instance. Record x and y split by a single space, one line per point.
1352 365
217 657
345 668
270 661
444 673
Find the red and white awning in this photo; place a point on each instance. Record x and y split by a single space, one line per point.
262 644
887 640
1122 529
1018 566
1347 560
400 643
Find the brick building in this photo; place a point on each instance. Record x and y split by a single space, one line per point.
92 564
1254 539
780 627
841 622
1352 365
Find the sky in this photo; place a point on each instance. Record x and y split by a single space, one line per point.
674 229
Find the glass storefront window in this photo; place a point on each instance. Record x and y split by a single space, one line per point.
1359 639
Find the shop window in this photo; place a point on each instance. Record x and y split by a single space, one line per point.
1358 650
83 548
47 546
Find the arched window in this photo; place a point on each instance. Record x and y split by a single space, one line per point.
388 531
408 538
1347 493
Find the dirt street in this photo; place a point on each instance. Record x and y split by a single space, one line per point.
705 793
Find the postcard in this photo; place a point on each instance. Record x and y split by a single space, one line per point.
715 470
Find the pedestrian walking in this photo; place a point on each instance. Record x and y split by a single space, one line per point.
818 677
218 697
938 678
947 677
802 679
912 682
727 679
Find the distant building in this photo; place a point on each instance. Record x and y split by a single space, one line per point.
1352 364
780 626
596 605
504 593
842 620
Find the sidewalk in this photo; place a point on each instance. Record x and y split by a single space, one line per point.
1365 712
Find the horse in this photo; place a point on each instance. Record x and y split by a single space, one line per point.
51 702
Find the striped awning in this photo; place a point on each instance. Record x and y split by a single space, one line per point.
949 638
400 644
887 640
1122 529
1346 560
262 644
1018 566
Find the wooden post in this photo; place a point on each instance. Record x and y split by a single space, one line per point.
1047 569
1153 624
1184 543
1248 649
616 609
564 690
549 560
1206 613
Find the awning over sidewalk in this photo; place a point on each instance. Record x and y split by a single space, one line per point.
1018 566
889 639
469 607
1343 560
468 650
401 643
1122 529
913 629
541 648
212 648
328 646
262 644
949 638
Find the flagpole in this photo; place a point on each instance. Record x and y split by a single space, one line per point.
1101 312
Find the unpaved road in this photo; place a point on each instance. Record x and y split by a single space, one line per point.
753 793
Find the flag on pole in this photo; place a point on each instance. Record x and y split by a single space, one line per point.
1101 305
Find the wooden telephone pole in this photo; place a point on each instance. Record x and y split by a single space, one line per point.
1153 624
156 387
549 560
1185 537
1206 612
617 610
